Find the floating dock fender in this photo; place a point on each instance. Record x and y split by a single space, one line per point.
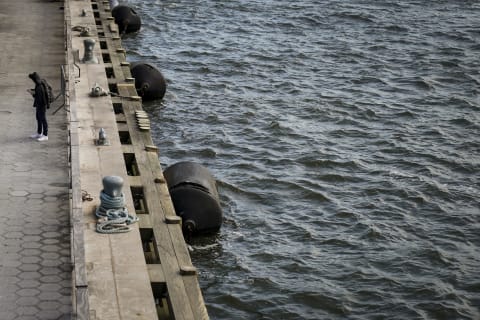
149 81
195 197
127 19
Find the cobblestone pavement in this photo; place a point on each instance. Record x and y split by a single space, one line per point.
35 269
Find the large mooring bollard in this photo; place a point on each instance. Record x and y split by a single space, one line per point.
88 56
149 81
112 214
195 198
127 19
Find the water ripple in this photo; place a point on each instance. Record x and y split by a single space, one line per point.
344 137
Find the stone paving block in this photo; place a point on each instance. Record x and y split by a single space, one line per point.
49 305
36 196
53 314
11 263
50 287
31 245
14 222
19 193
49 255
28 284
50 296
28 292
10 287
29 275
51 263
8 315
29 267
53 241
55 193
9 298
48 271
50 199
28 301
50 279
51 234
31 260
17 174
27 310
11 280
35 238
50 248
13 235
32 231
34 202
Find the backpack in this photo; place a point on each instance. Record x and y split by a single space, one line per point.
47 88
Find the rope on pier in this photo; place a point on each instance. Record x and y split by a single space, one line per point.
112 215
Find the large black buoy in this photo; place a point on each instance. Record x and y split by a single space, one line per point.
127 19
195 198
149 81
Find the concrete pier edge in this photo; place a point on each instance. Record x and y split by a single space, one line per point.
140 274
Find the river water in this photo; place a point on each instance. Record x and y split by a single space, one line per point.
344 135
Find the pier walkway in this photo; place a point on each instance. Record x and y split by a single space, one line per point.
53 262
35 263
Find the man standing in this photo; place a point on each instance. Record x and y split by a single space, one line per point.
40 103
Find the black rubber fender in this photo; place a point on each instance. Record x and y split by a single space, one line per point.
149 81
195 197
127 19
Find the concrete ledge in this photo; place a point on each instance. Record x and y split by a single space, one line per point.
108 268
119 282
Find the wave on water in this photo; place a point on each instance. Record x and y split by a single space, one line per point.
344 139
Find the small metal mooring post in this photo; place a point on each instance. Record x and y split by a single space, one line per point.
88 57
102 138
85 32
97 91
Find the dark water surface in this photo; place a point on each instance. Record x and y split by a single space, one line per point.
345 136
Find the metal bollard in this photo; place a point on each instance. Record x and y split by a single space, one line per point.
102 138
88 57
112 214
98 91
85 32
112 186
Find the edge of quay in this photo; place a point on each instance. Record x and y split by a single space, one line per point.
145 273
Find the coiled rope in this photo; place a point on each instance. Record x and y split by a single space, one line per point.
112 215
